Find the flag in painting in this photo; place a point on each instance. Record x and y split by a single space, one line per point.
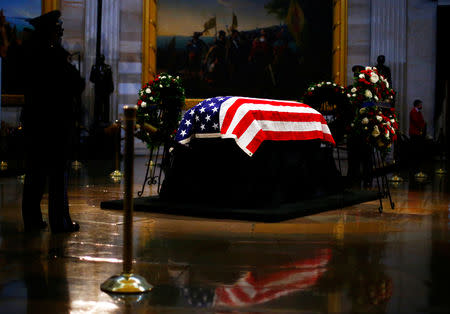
250 121
234 23
209 24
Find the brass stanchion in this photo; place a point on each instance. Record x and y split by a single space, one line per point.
3 165
127 282
117 175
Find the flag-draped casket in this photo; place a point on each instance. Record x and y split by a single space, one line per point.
236 151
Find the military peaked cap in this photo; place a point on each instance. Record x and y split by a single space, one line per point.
46 21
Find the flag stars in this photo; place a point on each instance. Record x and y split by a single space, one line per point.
197 118
183 133
187 122
202 110
215 126
191 112
214 109
202 127
208 117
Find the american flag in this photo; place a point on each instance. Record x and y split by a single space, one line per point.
251 289
250 121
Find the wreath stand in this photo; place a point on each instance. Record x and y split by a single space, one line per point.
379 172
154 170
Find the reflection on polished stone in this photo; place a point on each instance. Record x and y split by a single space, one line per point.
348 260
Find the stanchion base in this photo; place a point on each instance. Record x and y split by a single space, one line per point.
441 171
396 178
126 283
76 165
21 178
116 175
3 165
420 177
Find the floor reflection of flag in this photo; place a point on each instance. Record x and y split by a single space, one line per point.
252 289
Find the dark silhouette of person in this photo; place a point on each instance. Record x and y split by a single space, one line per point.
359 156
215 60
196 49
356 69
236 57
101 76
260 58
383 69
417 132
49 124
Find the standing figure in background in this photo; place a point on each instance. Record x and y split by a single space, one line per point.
417 132
49 124
101 76
384 70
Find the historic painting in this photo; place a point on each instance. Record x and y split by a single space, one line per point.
14 30
259 48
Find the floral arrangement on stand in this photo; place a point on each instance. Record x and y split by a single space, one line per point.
370 87
376 126
375 121
331 100
159 109
317 93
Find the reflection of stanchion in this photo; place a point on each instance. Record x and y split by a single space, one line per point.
127 282
3 165
116 175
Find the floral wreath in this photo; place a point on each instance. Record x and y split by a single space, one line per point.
159 109
328 97
318 93
376 126
370 86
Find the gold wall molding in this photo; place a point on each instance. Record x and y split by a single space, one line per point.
339 52
149 26
50 5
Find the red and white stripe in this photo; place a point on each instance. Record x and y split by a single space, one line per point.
250 289
250 121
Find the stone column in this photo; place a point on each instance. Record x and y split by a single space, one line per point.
389 38
110 46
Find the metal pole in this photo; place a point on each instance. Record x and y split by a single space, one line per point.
117 175
99 31
127 282
130 120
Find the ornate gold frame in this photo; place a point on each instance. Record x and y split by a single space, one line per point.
339 52
12 100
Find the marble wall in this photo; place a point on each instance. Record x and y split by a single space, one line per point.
421 65
404 31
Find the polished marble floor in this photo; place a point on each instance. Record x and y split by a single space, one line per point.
348 260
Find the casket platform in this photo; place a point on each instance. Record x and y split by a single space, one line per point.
252 159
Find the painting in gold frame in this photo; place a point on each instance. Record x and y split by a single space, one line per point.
338 52
17 98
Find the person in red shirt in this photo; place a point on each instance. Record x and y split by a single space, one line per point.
417 125
417 132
